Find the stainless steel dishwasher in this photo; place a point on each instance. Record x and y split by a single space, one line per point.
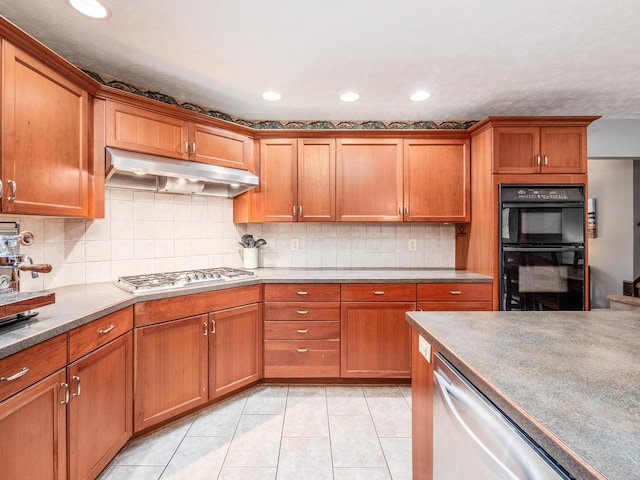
474 439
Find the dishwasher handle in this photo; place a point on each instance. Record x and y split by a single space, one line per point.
448 390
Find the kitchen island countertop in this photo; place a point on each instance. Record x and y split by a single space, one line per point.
79 304
570 380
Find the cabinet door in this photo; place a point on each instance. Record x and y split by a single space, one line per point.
516 150
316 180
45 139
220 147
140 130
436 181
563 149
235 349
170 374
369 180
375 340
278 180
100 408
33 432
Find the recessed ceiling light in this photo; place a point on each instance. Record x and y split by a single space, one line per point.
90 8
420 96
349 97
271 96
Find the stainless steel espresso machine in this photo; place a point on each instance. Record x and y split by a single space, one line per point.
14 304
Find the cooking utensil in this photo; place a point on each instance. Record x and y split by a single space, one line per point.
260 242
247 240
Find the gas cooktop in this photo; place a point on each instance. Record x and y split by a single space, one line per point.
163 281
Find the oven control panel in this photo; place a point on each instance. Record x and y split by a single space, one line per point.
541 193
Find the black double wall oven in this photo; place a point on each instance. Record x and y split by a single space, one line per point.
542 247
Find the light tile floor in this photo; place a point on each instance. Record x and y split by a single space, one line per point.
281 432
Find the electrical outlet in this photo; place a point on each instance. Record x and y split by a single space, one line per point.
412 245
295 244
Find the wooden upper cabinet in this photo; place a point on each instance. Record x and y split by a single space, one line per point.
297 180
278 180
316 180
145 131
220 147
46 122
540 149
369 180
436 180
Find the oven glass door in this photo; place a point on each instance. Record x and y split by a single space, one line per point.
543 278
538 224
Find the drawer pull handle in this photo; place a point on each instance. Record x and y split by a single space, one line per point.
302 330
302 293
66 393
379 292
77 379
106 330
302 312
455 292
15 375
302 350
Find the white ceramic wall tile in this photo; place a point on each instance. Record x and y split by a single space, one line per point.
145 232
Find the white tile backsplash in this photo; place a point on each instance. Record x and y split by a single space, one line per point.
146 232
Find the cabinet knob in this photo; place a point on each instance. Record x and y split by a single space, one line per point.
302 330
378 292
302 293
302 312
455 292
538 160
302 350
546 161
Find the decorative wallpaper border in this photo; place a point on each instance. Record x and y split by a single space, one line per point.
285 125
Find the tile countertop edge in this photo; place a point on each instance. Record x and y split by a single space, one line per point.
563 454
77 305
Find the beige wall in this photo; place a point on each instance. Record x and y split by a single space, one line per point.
146 232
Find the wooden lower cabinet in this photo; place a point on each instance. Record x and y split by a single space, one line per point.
376 340
235 349
100 407
33 431
171 371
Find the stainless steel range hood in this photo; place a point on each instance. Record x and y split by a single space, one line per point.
141 171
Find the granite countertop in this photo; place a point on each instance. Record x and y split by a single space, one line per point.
79 304
571 380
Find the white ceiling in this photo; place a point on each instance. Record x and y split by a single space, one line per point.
476 57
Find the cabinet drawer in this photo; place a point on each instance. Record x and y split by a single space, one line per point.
379 292
36 362
302 311
307 292
87 338
455 292
292 359
302 330
165 309
455 306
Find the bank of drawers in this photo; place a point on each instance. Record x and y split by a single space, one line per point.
301 330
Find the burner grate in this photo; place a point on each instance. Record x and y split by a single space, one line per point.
168 280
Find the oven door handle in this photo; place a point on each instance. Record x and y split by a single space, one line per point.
543 205
543 249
